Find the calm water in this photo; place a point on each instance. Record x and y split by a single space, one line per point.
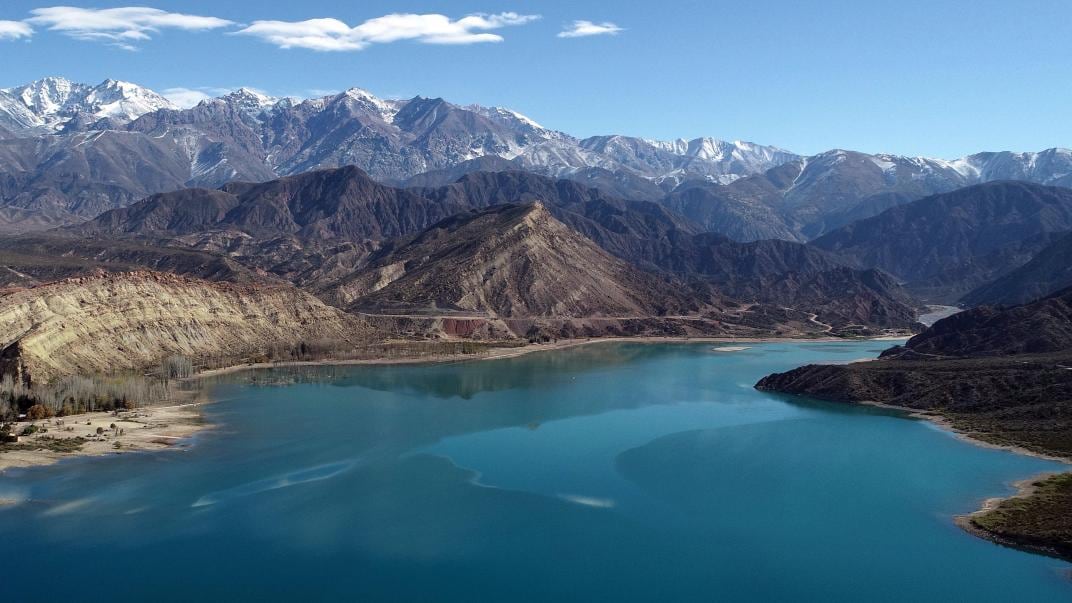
615 472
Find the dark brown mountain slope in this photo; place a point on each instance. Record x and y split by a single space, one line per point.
319 228
1003 376
1049 271
948 244
1040 327
511 261
1002 373
339 204
32 259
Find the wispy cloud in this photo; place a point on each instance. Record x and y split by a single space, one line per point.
190 97
122 26
186 97
583 29
334 35
13 30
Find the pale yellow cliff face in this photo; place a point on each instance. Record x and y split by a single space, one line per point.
123 321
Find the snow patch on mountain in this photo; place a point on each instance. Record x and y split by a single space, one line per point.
51 102
384 108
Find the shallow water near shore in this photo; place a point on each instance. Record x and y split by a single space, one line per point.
611 472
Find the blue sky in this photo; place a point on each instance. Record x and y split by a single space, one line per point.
937 78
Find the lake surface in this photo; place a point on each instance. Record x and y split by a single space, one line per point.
936 313
612 472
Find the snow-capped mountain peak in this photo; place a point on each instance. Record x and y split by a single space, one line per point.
249 101
511 118
122 100
46 96
253 96
51 102
385 108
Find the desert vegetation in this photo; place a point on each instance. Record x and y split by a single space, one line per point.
336 349
79 394
1038 521
129 390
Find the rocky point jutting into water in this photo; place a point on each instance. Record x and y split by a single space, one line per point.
1001 375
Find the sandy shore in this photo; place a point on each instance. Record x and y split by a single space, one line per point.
946 424
1024 488
145 429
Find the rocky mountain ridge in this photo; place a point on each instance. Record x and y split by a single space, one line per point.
325 226
53 103
65 161
1049 271
945 245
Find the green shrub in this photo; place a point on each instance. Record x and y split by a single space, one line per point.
38 412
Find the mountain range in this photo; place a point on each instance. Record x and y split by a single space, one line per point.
135 233
420 210
329 231
70 151
944 246
1048 271
51 104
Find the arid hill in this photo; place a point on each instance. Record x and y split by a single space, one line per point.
511 261
945 245
1049 271
1001 372
322 231
33 259
112 322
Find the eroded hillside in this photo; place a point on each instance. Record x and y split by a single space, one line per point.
110 322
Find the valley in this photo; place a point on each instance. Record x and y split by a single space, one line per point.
146 246
535 301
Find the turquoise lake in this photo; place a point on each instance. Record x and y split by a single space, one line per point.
610 472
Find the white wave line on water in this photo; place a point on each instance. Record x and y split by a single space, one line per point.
67 507
292 478
589 501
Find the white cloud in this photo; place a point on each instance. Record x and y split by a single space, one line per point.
335 35
581 29
190 97
185 97
319 92
13 30
122 26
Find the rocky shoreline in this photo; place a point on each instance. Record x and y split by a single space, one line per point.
985 522
1002 520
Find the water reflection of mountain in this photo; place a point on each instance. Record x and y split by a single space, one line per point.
445 380
388 410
